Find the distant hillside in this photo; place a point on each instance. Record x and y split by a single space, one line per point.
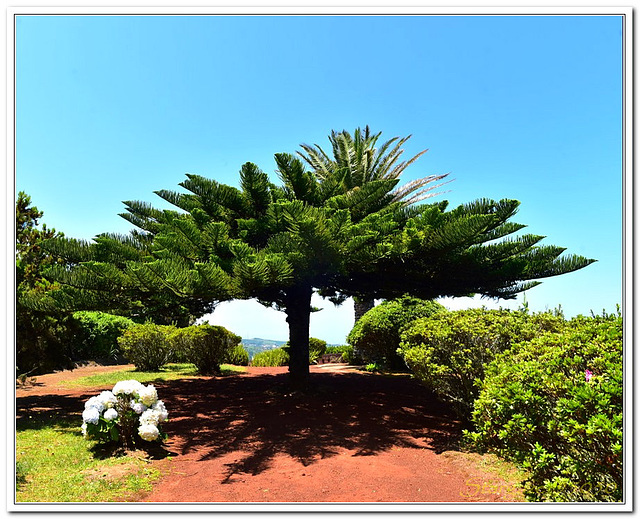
258 345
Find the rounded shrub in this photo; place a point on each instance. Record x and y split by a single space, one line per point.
270 358
375 338
554 405
148 345
448 351
97 335
238 356
205 345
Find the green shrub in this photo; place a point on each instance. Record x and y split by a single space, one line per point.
449 350
554 405
317 347
97 335
205 345
376 336
238 356
148 345
347 353
43 342
271 358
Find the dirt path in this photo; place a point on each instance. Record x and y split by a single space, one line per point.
355 437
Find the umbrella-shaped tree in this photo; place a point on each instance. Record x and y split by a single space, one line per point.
280 243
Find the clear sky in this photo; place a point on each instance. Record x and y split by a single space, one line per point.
111 108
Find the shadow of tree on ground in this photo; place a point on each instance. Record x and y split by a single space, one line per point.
260 417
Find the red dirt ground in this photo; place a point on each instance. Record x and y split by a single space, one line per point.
353 438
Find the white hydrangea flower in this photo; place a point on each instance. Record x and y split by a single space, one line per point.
138 407
108 399
150 417
148 432
127 387
91 415
159 407
110 414
94 402
148 395
84 429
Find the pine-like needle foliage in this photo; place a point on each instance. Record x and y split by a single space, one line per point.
279 244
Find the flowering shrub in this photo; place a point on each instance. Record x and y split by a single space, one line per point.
128 412
554 405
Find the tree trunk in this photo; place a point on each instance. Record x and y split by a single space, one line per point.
361 306
298 316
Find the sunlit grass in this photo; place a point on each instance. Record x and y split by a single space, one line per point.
166 373
54 463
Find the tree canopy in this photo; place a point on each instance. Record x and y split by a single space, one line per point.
280 243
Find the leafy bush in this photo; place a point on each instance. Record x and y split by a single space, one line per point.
554 404
205 345
449 350
97 335
271 358
43 342
238 356
376 336
317 347
347 353
146 345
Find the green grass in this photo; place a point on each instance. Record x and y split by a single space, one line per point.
168 372
54 463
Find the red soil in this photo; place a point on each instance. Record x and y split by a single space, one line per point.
354 437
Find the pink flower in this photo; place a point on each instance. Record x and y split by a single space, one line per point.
588 375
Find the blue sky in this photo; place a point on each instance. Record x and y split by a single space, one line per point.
111 108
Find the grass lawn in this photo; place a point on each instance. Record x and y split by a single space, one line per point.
167 372
54 463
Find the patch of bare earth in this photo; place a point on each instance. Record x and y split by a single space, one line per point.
353 437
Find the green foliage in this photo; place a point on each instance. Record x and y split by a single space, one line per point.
317 348
345 350
376 335
56 464
42 337
271 358
554 405
373 368
205 345
448 351
148 345
97 335
238 356
338 231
